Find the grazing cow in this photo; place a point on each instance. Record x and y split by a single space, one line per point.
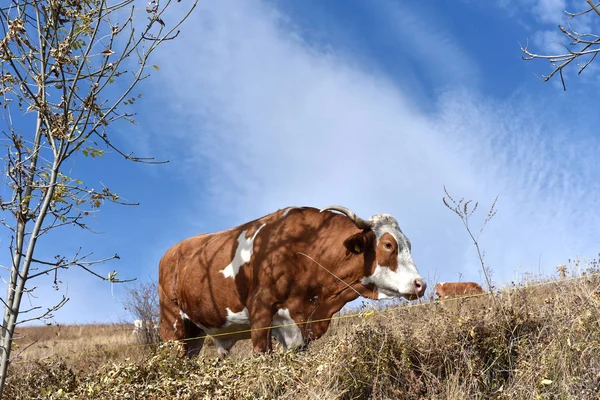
139 325
446 290
293 267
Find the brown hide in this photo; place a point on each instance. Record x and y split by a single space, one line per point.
276 277
446 290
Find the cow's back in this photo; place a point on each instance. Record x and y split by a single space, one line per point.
278 263
457 289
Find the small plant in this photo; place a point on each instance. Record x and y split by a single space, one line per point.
465 210
562 271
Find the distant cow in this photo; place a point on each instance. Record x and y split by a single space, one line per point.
140 326
446 290
290 267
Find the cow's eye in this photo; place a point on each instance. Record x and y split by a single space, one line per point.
388 245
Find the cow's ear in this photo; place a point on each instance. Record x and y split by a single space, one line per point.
356 243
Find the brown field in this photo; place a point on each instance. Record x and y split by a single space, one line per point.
78 345
537 342
40 342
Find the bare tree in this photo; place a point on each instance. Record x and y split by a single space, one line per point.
68 70
584 47
142 304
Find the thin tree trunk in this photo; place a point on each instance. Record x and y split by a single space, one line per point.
13 307
7 325
19 273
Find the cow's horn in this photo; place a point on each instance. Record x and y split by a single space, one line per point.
358 221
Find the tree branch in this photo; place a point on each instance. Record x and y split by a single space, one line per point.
588 41
48 313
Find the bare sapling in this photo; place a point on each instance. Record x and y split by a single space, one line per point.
68 70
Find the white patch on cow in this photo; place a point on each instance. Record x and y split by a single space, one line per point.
243 253
290 335
184 315
175 326
237 318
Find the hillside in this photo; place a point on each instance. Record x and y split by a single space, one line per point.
531 342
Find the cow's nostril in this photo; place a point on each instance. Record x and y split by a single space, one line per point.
420 286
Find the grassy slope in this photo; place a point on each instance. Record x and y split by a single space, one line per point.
540 342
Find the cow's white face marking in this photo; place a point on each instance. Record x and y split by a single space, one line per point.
381 295
392 283
399 283
243 253
289 336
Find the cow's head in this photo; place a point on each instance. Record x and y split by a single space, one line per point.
393 271
438 289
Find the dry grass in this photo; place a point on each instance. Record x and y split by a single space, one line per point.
530 343
39 342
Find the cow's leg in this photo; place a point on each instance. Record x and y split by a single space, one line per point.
261 316
171 324
287 332
194 338
223 346
174 327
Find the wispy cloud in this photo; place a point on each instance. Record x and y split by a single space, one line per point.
437 52
550 11
282 123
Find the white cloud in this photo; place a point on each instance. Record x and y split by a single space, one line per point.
435 51
550 11
284 124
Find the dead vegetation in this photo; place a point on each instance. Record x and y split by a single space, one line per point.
531 342
39 342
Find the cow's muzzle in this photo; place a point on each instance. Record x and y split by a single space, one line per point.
419 287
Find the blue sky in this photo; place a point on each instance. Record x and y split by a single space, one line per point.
259 105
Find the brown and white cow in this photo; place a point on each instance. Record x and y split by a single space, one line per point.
446 290
290 267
